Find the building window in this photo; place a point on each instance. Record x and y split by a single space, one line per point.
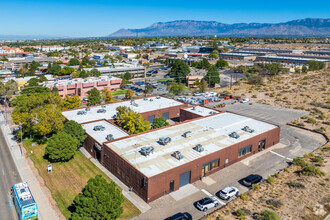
226 161
244 151
210 166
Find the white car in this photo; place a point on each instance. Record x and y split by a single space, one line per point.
245 100
197 94
228 192
213 93
207 203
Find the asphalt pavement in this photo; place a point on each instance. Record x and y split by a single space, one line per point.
9 176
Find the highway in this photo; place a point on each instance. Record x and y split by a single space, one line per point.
8 176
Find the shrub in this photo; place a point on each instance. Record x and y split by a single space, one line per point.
311 170
275 203
276 175
286 169
311 121
254 96
318 160
255 187
297 185
267 215
299 162
241 213
243 196
270 180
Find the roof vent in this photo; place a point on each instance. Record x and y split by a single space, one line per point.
145 99
212 112
194 108
151 100
187 134
147 150
199 148
109 137
82 112
88 109
177 155
234 135
99 128
158 97
103 106
165 141
102 110
248 129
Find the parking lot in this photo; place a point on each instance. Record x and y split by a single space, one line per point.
294 142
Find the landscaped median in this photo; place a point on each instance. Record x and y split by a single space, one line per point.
67 179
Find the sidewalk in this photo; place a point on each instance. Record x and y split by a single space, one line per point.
46 211
131 196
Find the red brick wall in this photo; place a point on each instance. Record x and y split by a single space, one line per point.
187 115
174 112
159 184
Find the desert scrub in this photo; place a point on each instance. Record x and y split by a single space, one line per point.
270 180
299 162
311 170
286 169
296 185
255 96
255 187
243 196
311 121
267 215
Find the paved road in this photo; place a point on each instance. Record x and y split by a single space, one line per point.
9 176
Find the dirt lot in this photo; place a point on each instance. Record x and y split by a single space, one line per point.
291 195
309 92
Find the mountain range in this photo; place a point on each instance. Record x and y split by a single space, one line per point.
309 27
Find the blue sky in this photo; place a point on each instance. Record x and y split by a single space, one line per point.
90 18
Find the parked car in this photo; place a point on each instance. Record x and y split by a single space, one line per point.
102 110
180 216
160 89
228 192
197 94
251 179
245 100
207 203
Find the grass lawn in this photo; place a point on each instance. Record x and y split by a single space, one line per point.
165 79
67 179
119 92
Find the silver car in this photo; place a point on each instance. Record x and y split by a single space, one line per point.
228 192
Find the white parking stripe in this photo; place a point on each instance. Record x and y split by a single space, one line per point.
280 155
206 192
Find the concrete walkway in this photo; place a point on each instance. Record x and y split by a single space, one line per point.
46 210
131 196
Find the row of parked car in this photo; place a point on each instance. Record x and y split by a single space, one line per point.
225 194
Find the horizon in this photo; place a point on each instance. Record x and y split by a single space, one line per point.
74 19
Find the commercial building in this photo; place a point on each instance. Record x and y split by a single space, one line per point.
237 56
294 61
82 86
16 64
191 79
160 161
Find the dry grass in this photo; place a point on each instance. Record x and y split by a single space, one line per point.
67 179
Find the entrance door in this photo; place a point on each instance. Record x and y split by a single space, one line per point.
172 186
262 144
184 178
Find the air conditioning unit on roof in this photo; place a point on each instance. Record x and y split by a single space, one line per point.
199 148
234 135
165 141
248 129
177 155
146 151
109 137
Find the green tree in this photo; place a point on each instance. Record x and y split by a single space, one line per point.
83 74
119 57
304 69
131 121
71 102
255 79
149 89
127 76
129 94
159 122
95 72
73 62
205 64
107 95
43 78
74 129
65 71
54 69
315 65
176 88
268 215
94 97
297 70
61 147
214 54
98 200
212 77
180 70
221 63
85 61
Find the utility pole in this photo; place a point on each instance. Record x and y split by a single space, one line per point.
209 80
5 109
20 124
231 80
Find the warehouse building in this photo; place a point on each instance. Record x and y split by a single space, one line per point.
160 161
237 56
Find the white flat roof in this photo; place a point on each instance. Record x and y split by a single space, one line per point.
140 107
211 132
100 136
202 111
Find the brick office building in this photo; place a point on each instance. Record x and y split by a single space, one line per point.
204 142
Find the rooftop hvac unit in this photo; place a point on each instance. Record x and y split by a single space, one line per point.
103 106
158 97
234 135
136 105
177 155
212 112
187 134
151 100
248 129
194 108
199 148
165 141
145 99
102 110
82 112
99 128
88 108
109 137
147 150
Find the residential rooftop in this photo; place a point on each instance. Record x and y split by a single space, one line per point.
100 136
137 105
212 132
